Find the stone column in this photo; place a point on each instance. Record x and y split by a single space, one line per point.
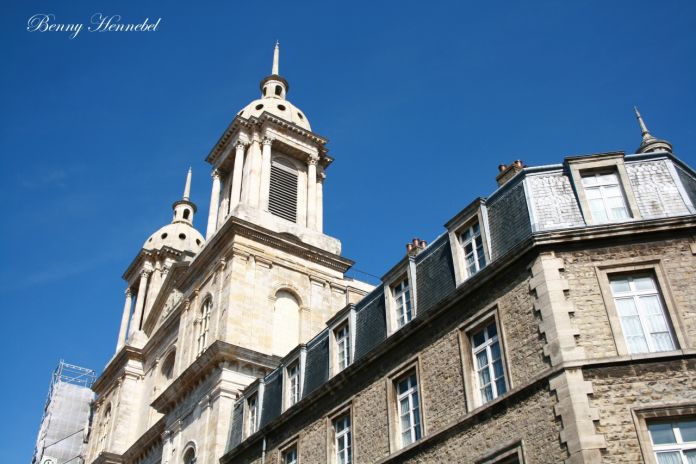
237 175
153 289
312 193
139 303
124 320
254 172
214 204
320 202
265 172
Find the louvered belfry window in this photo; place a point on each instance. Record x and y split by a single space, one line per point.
282 198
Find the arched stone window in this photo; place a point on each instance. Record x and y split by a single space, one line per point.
203 324
190 455
104 428
167 368
286 323
282 194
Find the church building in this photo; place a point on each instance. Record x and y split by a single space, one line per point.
553 321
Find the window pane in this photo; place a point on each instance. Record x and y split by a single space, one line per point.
671 457
690 456
688 430
495 351
662 433
500 386
620 285
663 342
482 359
479 338
588 181
626 307
644 283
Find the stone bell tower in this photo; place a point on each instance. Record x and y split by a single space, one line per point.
269 168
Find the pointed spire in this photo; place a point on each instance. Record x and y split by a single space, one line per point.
276 60
643 128
650 143
187 187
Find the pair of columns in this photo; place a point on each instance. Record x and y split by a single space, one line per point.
138 310
251 184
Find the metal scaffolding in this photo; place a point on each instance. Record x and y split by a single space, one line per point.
66 414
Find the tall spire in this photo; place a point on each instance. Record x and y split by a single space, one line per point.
650 143
276 59
643 128
187 187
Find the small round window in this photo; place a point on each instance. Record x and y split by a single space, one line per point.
164 235
182 236
259 106
281 107
198 241
300 115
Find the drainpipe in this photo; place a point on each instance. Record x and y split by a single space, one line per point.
263 451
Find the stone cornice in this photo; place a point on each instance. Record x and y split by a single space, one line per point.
106 457
144 254
218 245
116 367
239 122
206 363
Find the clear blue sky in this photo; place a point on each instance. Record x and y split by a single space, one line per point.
420 101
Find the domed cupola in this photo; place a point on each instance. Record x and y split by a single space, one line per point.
180 234
274 89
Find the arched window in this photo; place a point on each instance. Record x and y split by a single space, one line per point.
168 366
203 323
282 195
104 429
190 456
186 213
286 323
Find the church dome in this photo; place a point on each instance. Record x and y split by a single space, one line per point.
178 235
274 89
277 107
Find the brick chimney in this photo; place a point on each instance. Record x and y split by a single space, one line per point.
415 246
507 172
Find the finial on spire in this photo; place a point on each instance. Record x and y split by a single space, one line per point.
276 60
187 187
643 128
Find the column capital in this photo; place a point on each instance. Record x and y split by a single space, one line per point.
216 174
145 272
312 160
129 292
240 145
267 141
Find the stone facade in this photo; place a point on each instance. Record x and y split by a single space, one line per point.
251 342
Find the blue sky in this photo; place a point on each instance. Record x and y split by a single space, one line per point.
420 101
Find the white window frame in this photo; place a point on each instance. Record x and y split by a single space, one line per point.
344 346
343 455
474 228
679 446
634 295
285 453
415 411
294 392
614 161
294 382
345 318
475 213
252 414
652 266
662 412
601 186
487 347
403 302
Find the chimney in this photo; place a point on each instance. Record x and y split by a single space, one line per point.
415 246
507 172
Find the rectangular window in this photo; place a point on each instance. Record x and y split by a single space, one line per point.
289 456
605 197
342 440
488 363
408 408
642 313
282 196
472 244
293 376
253 408
343 348
674 442
402 301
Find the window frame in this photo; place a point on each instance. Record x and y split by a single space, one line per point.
601 188
654 267
299 360
614 162
256 394
286 447
658 413
404 270
476 212
332 436
502 454
203 321
412 366
466 330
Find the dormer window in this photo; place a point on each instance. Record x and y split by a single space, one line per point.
343 346
401 293
472 245
292 381
605 197
253 414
